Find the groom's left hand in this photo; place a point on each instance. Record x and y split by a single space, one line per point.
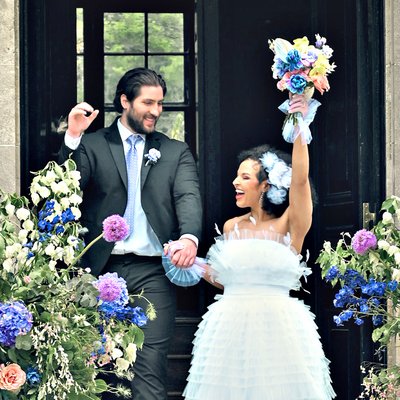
185 257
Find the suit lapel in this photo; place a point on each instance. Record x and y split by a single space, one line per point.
152 142
117 150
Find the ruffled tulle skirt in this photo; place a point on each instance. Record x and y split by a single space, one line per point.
262 346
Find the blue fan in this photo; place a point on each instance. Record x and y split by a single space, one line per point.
184 276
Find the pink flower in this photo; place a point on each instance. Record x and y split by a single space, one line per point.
115 228
12 377
362 241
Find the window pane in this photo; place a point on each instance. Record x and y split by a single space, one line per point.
172 124
171 68
79 57
79 79
123 32
165 33
114 68
109 118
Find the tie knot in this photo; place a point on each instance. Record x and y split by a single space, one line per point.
133 140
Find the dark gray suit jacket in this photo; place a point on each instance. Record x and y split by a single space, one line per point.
169 189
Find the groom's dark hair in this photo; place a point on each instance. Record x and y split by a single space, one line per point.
132 81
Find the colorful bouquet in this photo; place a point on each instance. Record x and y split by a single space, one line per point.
301 67
60 327
367 266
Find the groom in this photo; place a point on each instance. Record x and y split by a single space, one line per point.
132 170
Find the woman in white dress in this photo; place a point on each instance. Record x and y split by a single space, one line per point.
256 342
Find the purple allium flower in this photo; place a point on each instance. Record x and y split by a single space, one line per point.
115 228
15 320
112 289
362 241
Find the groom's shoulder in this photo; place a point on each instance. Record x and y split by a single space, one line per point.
166 140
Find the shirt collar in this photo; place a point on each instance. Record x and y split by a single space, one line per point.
125 132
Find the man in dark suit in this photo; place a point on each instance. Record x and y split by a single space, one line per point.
162 203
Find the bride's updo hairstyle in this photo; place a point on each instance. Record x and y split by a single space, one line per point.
273 205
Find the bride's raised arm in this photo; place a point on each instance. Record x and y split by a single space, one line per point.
300 199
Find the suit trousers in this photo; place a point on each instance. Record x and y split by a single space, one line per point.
147 274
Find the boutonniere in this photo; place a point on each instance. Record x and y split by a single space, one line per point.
152 156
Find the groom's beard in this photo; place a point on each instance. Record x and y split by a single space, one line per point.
136 124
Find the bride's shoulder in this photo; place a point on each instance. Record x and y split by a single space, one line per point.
230 223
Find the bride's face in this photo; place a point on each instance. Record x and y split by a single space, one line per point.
248 188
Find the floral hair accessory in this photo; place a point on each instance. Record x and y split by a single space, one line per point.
300 67
152 156
279 177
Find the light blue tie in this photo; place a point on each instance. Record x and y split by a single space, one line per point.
132 168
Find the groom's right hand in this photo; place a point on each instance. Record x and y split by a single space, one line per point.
80 118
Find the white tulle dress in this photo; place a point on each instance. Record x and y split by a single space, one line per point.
255 342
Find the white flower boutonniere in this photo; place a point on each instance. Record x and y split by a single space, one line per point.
152 156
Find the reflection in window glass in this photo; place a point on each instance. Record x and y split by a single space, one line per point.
114 68
165 33
79 52
171 68
172 124
123 32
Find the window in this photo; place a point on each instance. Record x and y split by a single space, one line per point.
162 40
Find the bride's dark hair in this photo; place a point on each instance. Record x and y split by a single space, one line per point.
255 154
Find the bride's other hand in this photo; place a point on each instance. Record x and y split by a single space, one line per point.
298 103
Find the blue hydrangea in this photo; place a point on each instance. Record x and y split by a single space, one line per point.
15 320
332 273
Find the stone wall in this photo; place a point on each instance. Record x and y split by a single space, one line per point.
9 96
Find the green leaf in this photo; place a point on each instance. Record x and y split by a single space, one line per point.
101 386
23 342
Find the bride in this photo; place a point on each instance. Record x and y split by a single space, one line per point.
256 342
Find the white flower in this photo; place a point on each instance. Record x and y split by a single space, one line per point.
8 265
387 218
44 192
383 244
28 225
131 352
10 209
52 265
76 176
116 353
397 258
327 246
50 177
393 250
75 199
22 214
22 235
122 364
35 198
396 274
65 202
76 212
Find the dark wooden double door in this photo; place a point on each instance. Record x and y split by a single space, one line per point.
236 108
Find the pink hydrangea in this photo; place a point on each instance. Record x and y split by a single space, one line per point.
362 241
115 228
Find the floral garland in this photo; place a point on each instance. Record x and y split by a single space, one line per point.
59 325
279 177
367 267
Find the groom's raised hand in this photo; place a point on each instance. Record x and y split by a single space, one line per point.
80 118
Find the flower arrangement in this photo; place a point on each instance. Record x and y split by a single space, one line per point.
300 67
152 156
367 267
60 326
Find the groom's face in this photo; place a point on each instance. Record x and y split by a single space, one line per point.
141 114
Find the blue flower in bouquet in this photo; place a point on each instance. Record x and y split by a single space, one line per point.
15 320
296 84
332 274
32 376
293 60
